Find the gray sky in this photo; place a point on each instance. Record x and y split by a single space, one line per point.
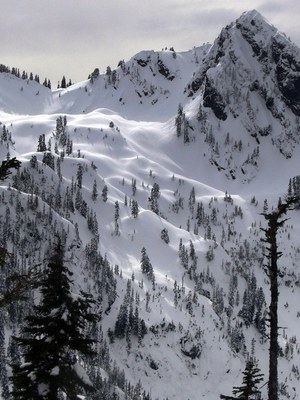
71 37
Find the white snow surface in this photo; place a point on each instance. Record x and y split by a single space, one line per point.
142 145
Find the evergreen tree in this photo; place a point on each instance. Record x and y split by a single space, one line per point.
3 361
69 146
4 134
41 144
53 337
108 74
248 390
63 84
146 265
61 131
134 208
178 120
117 216
5 172
94 75
153 199
104 193
192 200
95 191
121 322
133 185
48 159
186 138
79 175
164 235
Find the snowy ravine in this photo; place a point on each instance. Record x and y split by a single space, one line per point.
178 154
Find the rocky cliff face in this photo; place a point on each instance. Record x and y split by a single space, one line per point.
252 66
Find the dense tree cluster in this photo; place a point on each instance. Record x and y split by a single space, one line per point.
128 322
24 75
53 336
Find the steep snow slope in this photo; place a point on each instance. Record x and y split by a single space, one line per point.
20 96
147 87
204 306
248 81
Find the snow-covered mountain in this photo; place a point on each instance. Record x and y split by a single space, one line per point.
174 155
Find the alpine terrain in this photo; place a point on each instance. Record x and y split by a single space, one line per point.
148 184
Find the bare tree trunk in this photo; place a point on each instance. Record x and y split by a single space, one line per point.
274 223
273 276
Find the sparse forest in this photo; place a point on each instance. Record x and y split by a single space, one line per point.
149 235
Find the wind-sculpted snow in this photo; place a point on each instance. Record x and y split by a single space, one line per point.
140 165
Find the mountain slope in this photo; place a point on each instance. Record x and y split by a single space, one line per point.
182 166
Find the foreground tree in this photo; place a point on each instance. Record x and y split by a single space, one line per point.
248 390
275 222
53 338
6 166
13 290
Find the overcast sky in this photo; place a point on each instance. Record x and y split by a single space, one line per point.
53 38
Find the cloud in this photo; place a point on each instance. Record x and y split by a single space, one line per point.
72 37
285 18
272 7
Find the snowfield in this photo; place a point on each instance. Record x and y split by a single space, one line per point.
215 177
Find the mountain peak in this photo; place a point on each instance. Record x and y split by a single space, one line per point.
255 29
251 16
159 196
252 67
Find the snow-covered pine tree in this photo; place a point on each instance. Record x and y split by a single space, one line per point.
63 84
249 389
95 191
164 234
178 120
79 175
5 171
116 217
53 338
104 193
153 199
41 144
146 265
134 208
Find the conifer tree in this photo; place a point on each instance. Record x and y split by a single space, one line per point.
153 199
5 172
133 185
95 191
117 216
186 138
63 84
249 389
178 120
146 265
79 175
134 208
41 144
104 193
164 234
53 338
